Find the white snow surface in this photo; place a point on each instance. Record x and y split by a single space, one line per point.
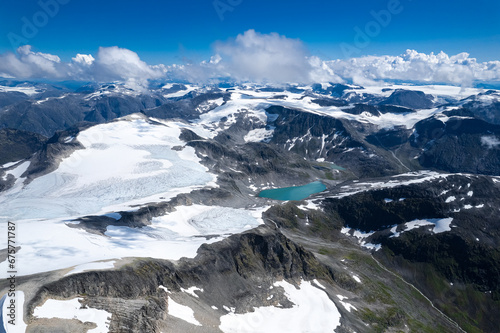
51 244
408 178
8 165
431 89
319 284
313 311
17 173
438 225
310 205
356 278
259 135
191 291
346 305
28 90
179 93
361 236
371 246
92 266
124 163
71 309
450 199
20 326
255 102
182 312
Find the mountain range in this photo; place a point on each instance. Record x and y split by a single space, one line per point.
139 210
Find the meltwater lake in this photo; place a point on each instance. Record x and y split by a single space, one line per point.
293 192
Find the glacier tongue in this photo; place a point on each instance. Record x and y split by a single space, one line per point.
50 244
124 163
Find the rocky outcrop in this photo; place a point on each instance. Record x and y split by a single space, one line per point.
458 145
16 145
457 268
410 98
236 272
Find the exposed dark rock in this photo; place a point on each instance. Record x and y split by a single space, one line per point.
229 272
458 145
409 98
16 145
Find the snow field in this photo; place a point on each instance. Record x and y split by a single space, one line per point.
313 311
124 163
20 325
51 244
72 309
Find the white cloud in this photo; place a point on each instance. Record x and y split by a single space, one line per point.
320 72
84 59
114 63
252 56
413 66
257 57
264 57
111 64
27 64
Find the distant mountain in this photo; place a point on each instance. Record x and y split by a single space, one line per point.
410 99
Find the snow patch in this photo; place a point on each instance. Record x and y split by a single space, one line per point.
28 90
361 236
259 135
313 311
371 246
310 205
438 226
191 291
179 93
182 312
72 309
17 172
92 266
490 141
319 284
346 305
20 326
450 199
8 165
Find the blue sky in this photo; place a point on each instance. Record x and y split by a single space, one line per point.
163 31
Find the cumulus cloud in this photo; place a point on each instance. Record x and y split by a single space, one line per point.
257 57
459 69
264 57
83 59
114 63
110 64
28 64
254 57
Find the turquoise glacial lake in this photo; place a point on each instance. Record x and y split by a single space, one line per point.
294 192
